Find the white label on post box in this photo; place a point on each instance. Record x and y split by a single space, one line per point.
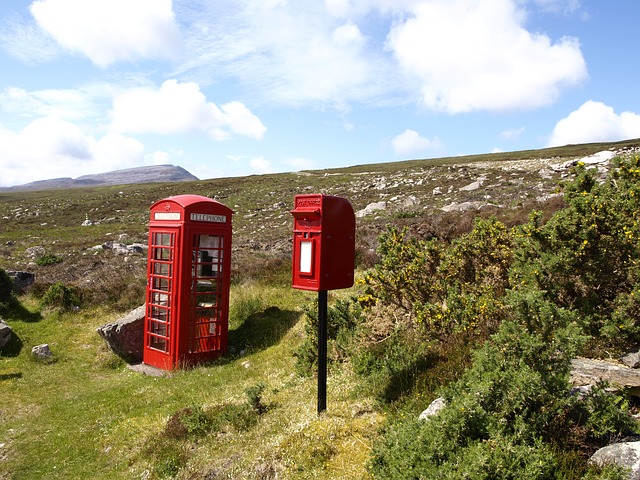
166 216
306 256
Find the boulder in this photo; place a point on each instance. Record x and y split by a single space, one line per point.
125 337
626 455
5 333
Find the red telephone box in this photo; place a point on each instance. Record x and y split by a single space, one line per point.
188 273
324 233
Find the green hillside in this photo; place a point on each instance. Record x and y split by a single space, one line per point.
478 278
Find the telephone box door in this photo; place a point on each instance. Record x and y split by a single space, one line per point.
161 298
208 302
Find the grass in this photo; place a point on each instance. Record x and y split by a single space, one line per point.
86 415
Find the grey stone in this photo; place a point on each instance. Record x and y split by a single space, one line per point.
22 281
371 208
125 336
626 455
6 333
585 371
631 360
42 352
435 406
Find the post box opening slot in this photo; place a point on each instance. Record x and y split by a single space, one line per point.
206 292
306 214
305 260
160 292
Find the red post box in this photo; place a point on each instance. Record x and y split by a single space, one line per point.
324 233
188 273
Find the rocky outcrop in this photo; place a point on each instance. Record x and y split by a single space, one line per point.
125 337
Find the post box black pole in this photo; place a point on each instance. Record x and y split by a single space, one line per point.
322 351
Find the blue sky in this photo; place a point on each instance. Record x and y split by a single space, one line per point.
238 87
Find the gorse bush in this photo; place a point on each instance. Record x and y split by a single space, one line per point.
510 415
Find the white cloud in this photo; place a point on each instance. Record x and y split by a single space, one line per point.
288 53
478 56
410 142
595 122
110 31
181 107
50 147
260 165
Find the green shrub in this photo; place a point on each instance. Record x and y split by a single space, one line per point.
48 259
60 297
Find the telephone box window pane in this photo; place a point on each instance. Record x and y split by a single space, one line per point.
164 239
160 283
306 256
159 328
159 313
162 269
162 254
160 299
158 343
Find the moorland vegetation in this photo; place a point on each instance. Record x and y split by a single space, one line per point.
484 308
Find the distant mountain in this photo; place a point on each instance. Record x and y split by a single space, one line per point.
152 174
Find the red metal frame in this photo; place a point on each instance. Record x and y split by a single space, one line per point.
188 278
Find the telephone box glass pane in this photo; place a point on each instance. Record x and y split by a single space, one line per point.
162 269
306 256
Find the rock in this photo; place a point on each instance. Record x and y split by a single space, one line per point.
586 371
42 352
371 208
410 201
435 406
22 280
626 455
35 252
5 333
463 207
125 337
473 185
